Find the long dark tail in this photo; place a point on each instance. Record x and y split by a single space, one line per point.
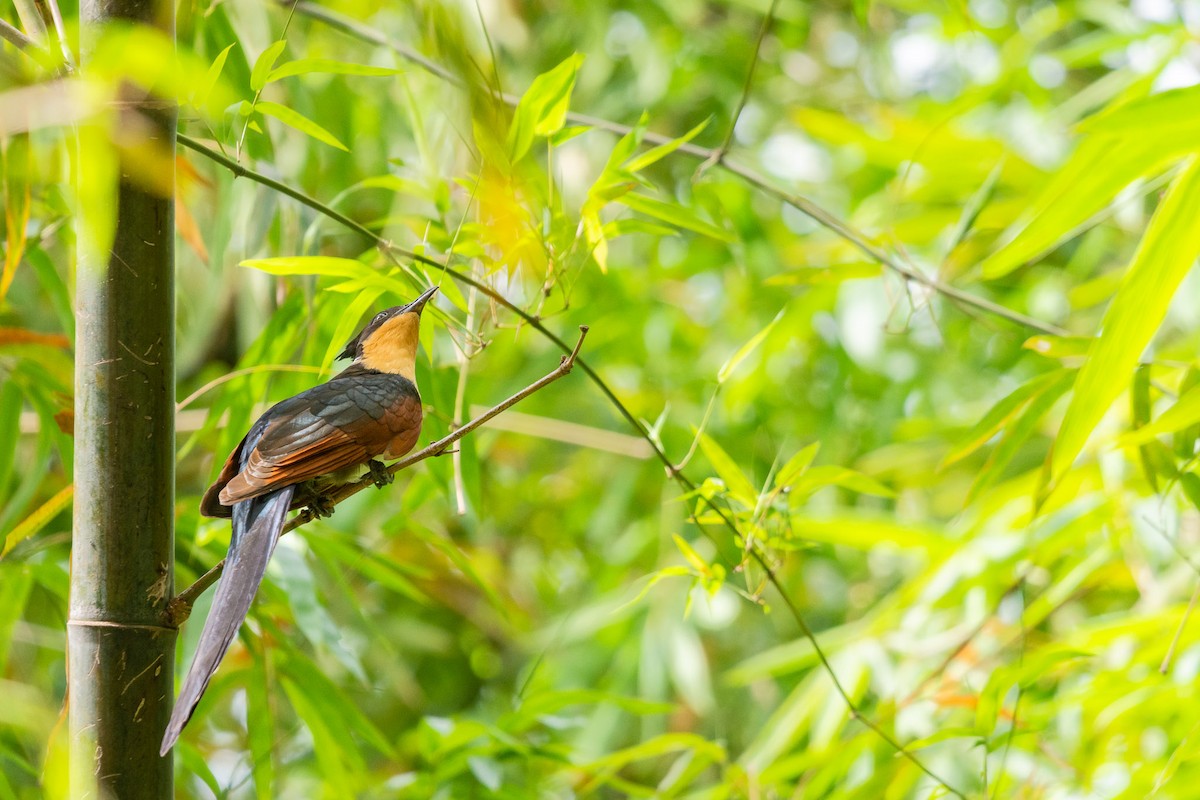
256 526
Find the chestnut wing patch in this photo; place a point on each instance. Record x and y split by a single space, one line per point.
339 424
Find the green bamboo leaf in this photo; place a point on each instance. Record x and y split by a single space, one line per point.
332 749
555 700
1175 108
628 225
1001 414
1190 482
735 480
39 519
348 324
826 276
1091 178
1139 413
195 764
819 477
1185 412
14 593
55 288
655 154
260 726
674 214
335 707
1016 434
204 89
262 66
333 267
327 66
1163 257
737 358
863 532
294 119
1185 438
657 746
796 465
543 108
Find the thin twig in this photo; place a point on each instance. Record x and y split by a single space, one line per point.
460 398
14 36
800 203
31 17
237 373
1016 713
685 483
719 154
1187 614
181 605
60 31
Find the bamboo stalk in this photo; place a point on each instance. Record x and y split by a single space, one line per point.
121 657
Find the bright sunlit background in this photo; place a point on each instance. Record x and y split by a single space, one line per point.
944 470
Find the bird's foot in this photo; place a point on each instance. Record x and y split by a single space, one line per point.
379 473
318 503
320 506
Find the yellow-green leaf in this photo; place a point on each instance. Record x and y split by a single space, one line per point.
1163 258
543 107
796 465
38 519
294 119
674 214
262 67
736 482
737 358
666 148
1001 414
830 475
304 66
200 97
1099 169
1177 108
1185 412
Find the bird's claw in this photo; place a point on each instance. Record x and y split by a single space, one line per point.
320 506
317 502
379 473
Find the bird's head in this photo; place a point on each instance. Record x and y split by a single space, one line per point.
389 341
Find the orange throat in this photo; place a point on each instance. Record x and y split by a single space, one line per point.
392 347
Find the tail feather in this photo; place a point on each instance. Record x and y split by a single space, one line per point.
256 526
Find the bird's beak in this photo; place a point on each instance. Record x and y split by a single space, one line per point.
416 305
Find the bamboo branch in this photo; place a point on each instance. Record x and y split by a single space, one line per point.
180 606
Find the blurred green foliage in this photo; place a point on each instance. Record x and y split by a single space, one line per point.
985 519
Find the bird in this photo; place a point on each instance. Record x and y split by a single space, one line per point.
295 451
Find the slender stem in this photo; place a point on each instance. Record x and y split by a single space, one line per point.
1165 666
181 605
31 17
797 201
14 36
677 475
60 31
762 34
